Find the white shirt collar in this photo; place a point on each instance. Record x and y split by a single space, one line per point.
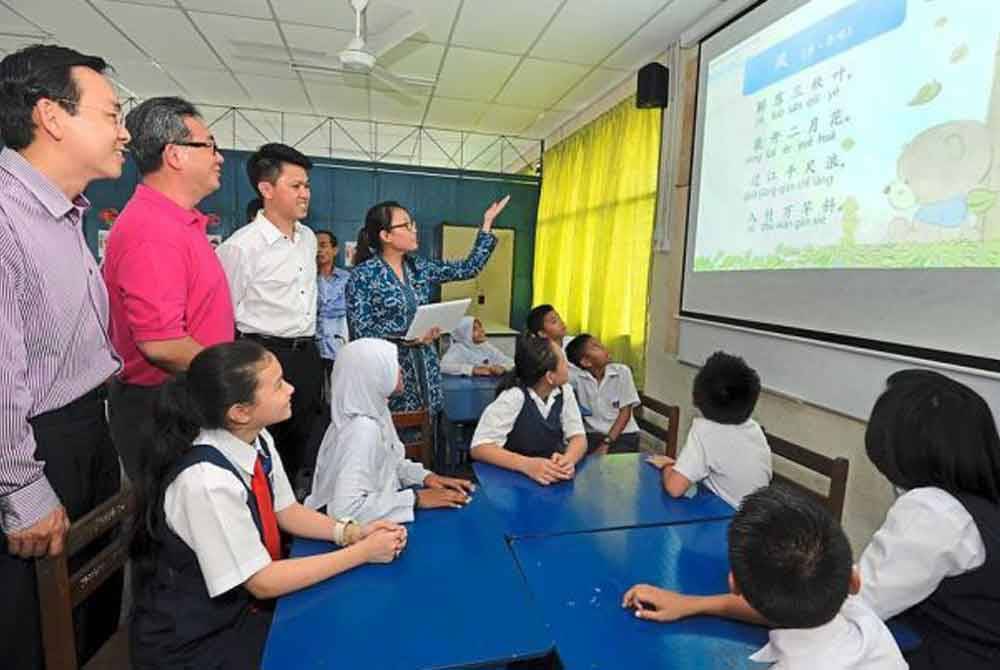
270 231
238 452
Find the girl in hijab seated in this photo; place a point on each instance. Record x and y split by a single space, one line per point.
361 471
470 354
534 426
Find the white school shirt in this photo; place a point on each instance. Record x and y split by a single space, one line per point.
363 476
606 398
855 639
926 537
207 508
499 416
272 278
732 460
461 360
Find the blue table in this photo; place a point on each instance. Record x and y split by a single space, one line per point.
578 582
454 599
616 491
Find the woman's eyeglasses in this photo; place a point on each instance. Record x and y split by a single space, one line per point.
409 225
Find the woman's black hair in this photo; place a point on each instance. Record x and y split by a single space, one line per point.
927 429
533 357
377 219
218 378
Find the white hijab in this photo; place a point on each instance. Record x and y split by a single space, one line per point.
461 342
364 376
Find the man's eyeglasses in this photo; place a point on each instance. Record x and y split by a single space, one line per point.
210 144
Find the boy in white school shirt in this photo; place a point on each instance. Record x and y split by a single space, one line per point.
608 392
790 562
726 449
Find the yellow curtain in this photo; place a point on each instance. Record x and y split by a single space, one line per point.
595 229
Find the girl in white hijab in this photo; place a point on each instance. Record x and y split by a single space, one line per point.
361 470
470 354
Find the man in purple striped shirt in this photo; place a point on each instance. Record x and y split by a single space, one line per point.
61 122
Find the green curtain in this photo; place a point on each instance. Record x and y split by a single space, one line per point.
595 229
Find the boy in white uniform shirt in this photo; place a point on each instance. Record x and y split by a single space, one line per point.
607 391
726 449
790 562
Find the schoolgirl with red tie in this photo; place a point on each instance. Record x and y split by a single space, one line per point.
214 500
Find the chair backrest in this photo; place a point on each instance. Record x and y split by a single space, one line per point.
672 413
421 449
59 591
834 469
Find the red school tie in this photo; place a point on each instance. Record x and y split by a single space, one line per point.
265 507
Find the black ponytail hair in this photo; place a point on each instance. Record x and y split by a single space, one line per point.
377 219
534 356
218 378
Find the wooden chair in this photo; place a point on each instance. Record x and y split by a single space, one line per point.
421 449
672 413
834 469
59 592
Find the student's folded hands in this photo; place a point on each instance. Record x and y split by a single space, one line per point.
656 604
547 471
383 544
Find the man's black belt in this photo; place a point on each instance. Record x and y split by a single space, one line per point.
292 343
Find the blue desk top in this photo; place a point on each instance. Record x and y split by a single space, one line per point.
453 599
578 582
616 491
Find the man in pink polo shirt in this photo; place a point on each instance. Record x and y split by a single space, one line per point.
168 293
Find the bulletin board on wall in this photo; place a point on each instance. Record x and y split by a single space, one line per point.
491 290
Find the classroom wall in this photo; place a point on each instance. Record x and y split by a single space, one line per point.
342 191
868 493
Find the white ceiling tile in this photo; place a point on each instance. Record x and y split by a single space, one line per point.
314 44
142 78
161 3
654 37
250 46
538 83
512 30
76 25
474 75
164 33
449 113
598 24
12 23
274 93
507 120
596 84
254 8
336 100
211 86
395 108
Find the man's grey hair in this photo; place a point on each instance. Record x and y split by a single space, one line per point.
154 124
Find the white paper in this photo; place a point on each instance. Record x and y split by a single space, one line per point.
442 315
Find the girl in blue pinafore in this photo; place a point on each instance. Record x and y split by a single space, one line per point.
389 283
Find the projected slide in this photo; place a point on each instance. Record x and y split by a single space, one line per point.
854 134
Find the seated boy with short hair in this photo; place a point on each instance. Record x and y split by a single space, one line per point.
607 391
790 567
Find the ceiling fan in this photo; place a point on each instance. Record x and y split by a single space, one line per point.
359 57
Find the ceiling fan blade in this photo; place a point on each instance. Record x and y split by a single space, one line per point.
398 85
407 25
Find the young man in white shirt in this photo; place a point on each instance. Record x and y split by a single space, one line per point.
608 392
271 267
790 568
